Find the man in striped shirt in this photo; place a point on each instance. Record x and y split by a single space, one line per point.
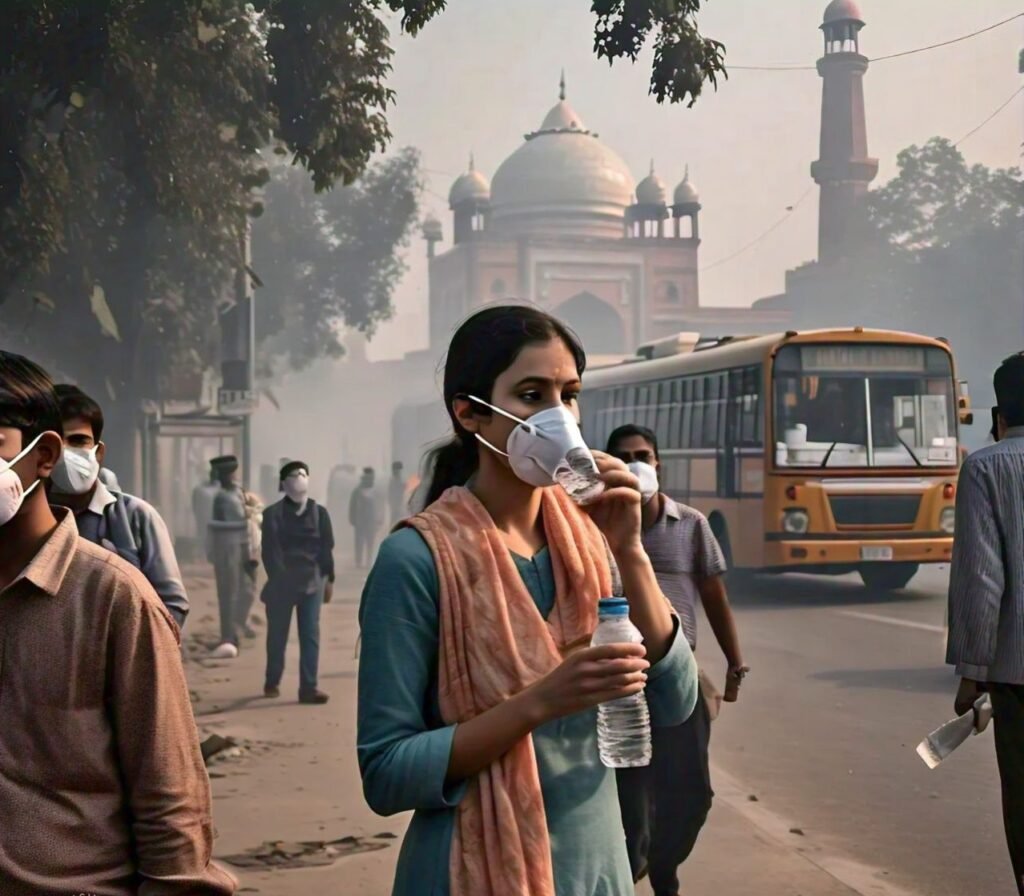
986 593
665 805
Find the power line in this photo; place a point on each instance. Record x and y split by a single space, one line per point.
945 43
975 130
760 237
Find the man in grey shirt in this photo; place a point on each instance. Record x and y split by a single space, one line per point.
232 555
122 523
986 593
664 805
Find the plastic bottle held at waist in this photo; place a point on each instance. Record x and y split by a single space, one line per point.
579 476
623 725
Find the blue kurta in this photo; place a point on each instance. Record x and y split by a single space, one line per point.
404 746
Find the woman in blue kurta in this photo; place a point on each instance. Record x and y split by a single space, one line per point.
521 361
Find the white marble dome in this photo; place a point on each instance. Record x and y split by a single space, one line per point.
562 179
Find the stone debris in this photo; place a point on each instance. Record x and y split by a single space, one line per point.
306 854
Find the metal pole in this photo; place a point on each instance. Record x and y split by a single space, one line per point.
248 300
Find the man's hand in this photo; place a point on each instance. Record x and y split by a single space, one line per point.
966 694
733 679
328 592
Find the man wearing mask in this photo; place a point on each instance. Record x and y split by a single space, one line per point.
231 552
364 517
298 554
124 524
102 784
665 805
986 593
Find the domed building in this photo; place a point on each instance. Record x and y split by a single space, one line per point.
564 224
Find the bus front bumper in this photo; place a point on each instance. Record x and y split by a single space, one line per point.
850 551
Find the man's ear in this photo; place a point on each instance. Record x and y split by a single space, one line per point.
48 451
101 452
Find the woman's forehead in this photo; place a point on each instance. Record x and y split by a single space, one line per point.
550 360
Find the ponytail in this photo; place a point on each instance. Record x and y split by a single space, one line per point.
450 463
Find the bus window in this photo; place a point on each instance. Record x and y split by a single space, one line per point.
750 407
865 405
674 414
643 414
712 391
691 416
662 415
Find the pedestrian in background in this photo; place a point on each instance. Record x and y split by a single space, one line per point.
396 493
365 518
231 549
986 593
128 526
665 805
102 783
203 496
298 555
477 690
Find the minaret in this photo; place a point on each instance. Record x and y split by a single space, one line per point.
844 169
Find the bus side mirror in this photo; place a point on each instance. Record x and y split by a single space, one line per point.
964 403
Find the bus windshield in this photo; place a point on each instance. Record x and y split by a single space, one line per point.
864 405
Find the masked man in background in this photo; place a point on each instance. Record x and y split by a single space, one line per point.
122 523
298 554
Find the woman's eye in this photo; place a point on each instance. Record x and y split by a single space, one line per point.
530 396
569 399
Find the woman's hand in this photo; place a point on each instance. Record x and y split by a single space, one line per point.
586 678
617 510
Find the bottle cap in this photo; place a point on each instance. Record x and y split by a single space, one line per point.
613 606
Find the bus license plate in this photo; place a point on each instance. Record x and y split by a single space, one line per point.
876 552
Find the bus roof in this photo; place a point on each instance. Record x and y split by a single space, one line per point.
742 351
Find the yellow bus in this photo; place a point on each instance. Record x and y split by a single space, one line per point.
831 451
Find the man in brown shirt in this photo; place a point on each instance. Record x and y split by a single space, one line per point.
102 785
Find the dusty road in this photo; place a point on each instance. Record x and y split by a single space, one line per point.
844 687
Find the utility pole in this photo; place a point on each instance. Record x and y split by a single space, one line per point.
237 396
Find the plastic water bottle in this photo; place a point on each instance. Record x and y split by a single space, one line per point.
579 476
623 725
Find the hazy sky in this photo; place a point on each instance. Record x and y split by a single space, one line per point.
486 71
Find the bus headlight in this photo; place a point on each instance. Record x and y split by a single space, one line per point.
947 520
795 522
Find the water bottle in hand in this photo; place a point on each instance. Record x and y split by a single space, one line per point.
623 725
579 476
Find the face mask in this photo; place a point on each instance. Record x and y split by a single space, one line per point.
548 448
76 471
648 477
12 493
297 487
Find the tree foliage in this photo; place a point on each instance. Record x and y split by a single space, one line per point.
683 58
327 259
131 141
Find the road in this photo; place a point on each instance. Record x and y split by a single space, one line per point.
844 687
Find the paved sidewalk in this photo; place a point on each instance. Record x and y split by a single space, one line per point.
294 779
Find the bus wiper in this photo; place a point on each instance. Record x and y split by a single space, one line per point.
828 454
910 450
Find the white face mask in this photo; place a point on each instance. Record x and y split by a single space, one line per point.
76 471
296 487
548 448
648 477
12 493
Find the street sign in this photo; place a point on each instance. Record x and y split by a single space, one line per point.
237 402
